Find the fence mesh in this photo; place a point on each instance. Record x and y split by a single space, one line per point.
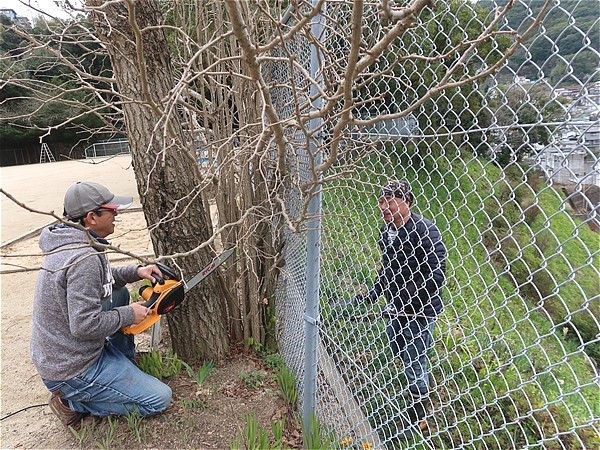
506 166
107 148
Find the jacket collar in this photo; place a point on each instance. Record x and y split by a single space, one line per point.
98 238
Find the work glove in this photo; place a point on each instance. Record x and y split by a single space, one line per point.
389 311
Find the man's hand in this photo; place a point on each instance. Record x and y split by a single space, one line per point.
347 305
389 311
146 272
344 303
369 296
140 312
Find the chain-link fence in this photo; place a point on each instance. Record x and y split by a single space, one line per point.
107 148
492 114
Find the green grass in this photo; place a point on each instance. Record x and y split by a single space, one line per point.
158 366
200 376
511 363
254 379
287 384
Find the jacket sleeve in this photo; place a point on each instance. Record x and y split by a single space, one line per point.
84 288
377 290
433 269
125 274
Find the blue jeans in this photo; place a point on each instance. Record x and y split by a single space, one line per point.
124 342
113 385
410 339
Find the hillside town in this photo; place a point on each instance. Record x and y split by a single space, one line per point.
572 160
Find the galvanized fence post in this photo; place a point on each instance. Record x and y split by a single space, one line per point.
313 260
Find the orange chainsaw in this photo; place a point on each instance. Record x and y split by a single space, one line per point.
169 291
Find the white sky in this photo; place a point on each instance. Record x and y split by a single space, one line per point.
49 6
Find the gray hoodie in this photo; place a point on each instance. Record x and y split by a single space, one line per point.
69 326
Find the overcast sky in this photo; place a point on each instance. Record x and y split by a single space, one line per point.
48 6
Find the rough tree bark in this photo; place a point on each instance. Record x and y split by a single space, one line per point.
166 169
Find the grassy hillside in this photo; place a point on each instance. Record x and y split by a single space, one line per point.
509 365
570 33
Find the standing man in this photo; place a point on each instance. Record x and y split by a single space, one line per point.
80 306
411 278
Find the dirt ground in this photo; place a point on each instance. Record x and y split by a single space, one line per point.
207 416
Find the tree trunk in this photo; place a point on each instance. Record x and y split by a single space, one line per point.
166 168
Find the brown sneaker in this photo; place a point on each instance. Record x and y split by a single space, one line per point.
64 413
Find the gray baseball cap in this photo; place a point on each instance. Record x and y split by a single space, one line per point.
84 197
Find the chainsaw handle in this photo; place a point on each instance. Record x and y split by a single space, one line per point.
148 294
168 273
152 300
153 293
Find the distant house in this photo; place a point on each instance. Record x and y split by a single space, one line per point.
12 15
591 137
574 158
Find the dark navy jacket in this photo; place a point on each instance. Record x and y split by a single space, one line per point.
413 267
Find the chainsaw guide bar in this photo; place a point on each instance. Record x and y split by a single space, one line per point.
169 291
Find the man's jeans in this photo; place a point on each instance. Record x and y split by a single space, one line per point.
113 385
410 339
124 342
